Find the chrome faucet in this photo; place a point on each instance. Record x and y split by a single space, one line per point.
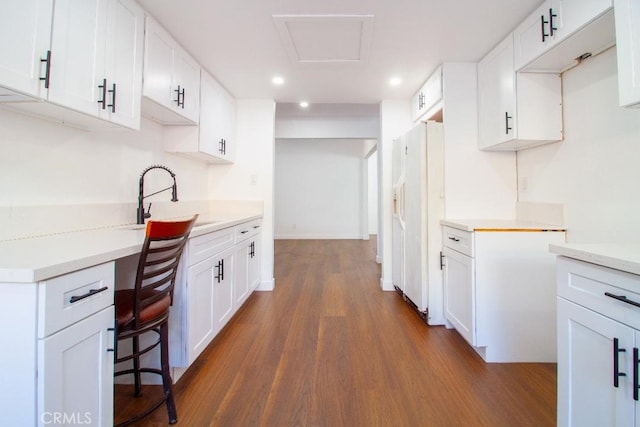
140 213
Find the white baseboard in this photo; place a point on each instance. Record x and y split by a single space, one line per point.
324 237
266 285
386 285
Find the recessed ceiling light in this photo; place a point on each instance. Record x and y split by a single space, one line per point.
304 104
277 80
395 81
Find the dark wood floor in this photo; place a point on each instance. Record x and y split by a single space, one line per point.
328 348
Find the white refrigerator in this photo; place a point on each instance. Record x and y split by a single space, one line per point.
418 207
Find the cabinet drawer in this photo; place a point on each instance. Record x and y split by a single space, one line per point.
458 240
64 300
207 245
586 284
248 229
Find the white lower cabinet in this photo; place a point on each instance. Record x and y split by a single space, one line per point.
221 274
499 292
60 332
247 266
598 341
459 293
75 373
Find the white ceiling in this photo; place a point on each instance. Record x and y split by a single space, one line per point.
243 46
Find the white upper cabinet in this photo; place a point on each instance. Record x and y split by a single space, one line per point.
213 139
516 110
171 79
627 13
217 122
25 28
123 68
78 45
428 96
560 31
90 60
97 59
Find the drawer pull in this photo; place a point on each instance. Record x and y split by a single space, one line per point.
622 298
455 239
636 386
616 362
244 231
91 292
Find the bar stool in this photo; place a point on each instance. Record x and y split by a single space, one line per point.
145 308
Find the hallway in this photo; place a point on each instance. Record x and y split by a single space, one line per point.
328 348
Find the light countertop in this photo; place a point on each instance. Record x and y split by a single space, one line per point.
39 258
499 225
624 257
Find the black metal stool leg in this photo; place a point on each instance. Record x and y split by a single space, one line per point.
136 366
166 373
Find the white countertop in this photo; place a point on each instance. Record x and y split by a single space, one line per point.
499 225
40 258
624 257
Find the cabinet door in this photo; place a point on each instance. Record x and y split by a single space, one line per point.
75 373
241 282
497 96
459 293
586 392
255 261
211 111
158 65
201 319
77 54
627 13
25 28
223 288
187 77
532 37
124 55
571 15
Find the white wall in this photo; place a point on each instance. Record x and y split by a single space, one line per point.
251 176
318 185
595 171
43 163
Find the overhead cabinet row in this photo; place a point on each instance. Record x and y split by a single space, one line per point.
97 64
519 81
85 55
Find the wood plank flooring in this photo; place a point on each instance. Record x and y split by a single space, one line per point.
328 348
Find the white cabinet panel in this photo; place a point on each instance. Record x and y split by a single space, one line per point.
559 31
202 326
213 140
586 395
501 299
627 14
94 68
459 293
171 79
75 373
223 288
598 341
78 44
123 69
516 110
27 25
428 96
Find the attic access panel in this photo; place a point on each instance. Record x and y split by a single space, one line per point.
325 38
